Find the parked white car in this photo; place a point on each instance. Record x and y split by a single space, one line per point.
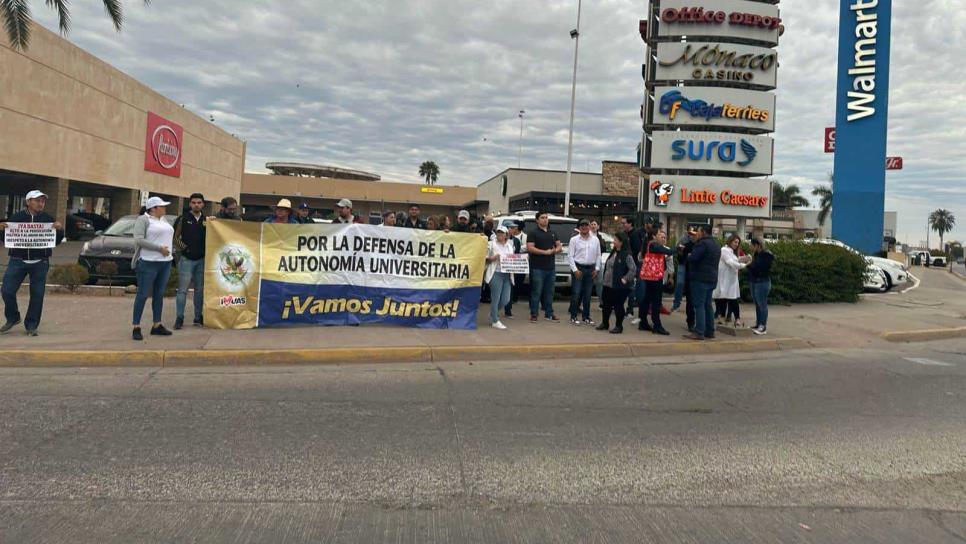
938 260
896 273
875 279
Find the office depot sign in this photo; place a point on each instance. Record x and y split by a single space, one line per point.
163 145
713 196
728 18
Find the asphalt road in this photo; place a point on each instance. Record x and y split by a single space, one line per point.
811 446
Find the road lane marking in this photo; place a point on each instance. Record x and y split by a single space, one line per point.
926 362
914 286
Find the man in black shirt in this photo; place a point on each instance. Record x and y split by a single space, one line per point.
413 221
189 239
543 246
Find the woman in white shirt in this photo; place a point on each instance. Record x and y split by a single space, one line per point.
153 238
727 292
500 282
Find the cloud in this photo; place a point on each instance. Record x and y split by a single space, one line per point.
383 86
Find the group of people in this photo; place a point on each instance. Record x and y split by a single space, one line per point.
635 272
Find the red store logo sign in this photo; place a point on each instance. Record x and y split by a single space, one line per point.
163 145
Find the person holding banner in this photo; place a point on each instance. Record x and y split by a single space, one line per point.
29 257
500 282
283 213
153 238
519 241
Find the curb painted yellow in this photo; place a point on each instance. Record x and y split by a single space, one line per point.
925 335
365 355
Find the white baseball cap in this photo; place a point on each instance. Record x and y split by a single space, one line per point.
154 202
463 214
344 203
502 228
35 194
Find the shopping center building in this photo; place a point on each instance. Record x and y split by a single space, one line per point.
96 140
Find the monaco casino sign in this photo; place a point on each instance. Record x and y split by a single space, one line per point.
163 145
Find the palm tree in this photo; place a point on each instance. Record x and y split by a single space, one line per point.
942 221
824 192
430 171
785 197
16 18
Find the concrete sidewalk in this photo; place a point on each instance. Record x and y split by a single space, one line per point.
100 328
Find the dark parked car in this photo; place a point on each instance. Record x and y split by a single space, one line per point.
116 244
79 228
100 222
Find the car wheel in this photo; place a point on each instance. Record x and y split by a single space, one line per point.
889 284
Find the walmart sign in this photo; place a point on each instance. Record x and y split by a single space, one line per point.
861 122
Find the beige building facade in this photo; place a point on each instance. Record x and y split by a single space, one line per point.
77 128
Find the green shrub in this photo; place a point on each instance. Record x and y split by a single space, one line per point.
956 252
812 273
69 275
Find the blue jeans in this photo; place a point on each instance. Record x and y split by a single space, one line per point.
191 271
541 290
759 292
152 277
679 279
580 291
499 294
703 308
17 271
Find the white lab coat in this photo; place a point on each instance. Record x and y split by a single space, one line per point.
728 268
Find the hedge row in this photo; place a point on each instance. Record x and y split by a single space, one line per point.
813 273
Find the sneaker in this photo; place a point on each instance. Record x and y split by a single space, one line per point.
761 331
499 325
635 321
589 322
160 331
32 332
508 313
200 322
533 319
179 324
136 334
9 325
553 319
574 321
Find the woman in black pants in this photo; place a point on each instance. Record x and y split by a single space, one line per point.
618 277
652 272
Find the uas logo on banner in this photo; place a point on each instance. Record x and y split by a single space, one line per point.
267 275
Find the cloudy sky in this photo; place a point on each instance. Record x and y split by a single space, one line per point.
384 85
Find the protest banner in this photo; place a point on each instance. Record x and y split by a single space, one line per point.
262 274
30 236
515 263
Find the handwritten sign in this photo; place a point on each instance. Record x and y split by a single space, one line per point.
515 263
30 236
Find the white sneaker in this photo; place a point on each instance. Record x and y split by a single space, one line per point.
499 325
760 331
635 321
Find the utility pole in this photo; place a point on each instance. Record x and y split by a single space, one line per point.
575 35
520 150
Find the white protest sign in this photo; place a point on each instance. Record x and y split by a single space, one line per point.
30 236
515 263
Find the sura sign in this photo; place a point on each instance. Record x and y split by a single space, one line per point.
714 106
719 151
717 62
723 18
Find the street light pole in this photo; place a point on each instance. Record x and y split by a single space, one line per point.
575 34
520 150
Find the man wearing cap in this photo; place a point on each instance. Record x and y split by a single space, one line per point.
283 213
302 215
343 210
32 263
462 222
519 241
584 260
413 221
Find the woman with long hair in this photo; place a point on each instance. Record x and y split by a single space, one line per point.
727 292
618 280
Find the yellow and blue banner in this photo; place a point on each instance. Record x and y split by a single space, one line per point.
263 274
